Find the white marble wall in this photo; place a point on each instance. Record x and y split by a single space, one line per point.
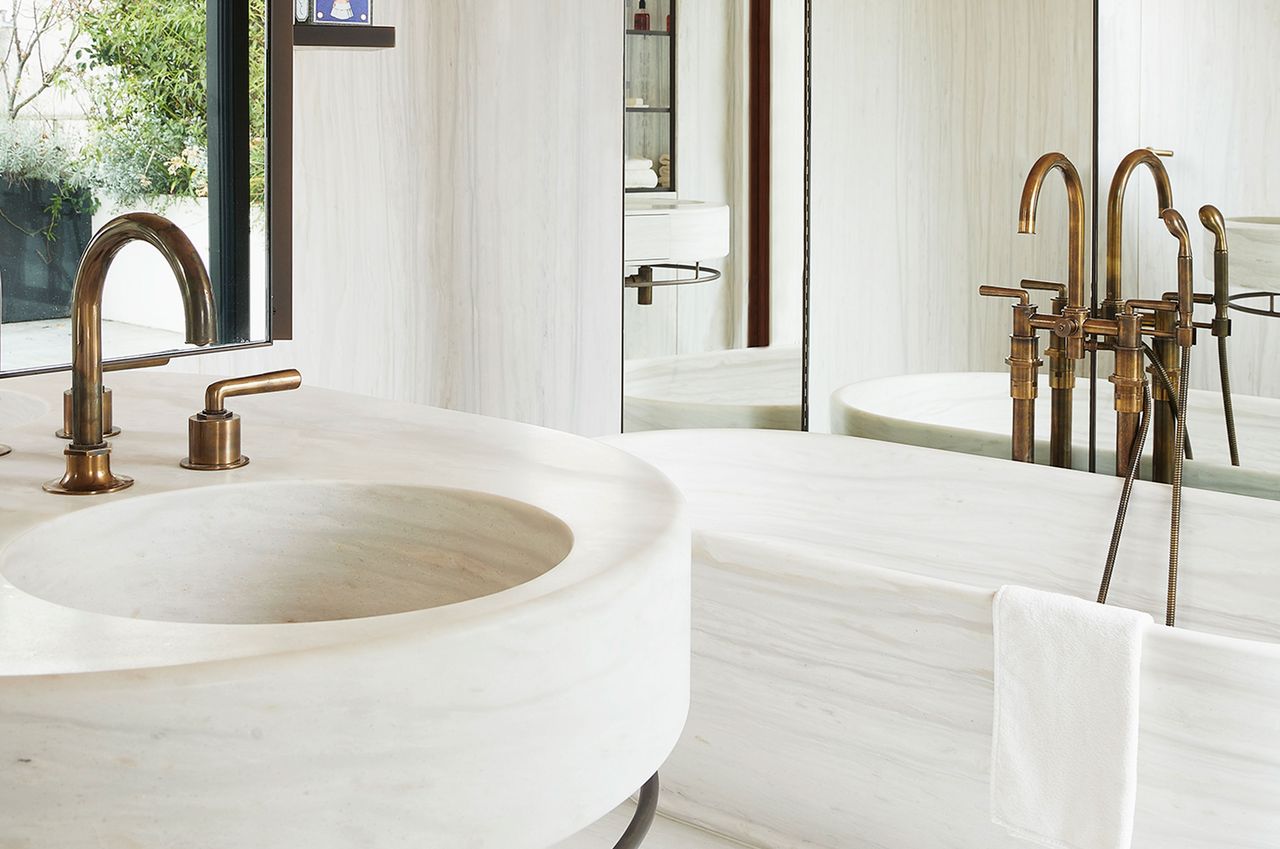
1197 77
457 226
927 116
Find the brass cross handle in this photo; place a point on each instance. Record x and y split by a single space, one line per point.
213 436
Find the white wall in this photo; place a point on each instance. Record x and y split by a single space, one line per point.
457 229
1197 77
927 116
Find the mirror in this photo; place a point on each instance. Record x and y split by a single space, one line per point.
1198 80
919 171
713 213
113 106
927 116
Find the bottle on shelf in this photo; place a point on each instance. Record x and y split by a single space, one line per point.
641 22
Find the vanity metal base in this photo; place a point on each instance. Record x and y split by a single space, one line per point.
646 810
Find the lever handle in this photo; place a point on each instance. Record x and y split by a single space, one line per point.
1019 295
215 397
1161 152
1060 289
127 365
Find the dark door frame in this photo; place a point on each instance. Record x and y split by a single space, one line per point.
760 174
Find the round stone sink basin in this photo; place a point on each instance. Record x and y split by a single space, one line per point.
286 552
17 408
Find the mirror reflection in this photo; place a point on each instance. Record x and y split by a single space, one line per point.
1130 309
114 106
713 214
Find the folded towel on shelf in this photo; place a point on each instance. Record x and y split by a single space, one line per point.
636 179
639 164
664 159
1064 762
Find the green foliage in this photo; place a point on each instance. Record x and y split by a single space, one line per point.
34 151
144 73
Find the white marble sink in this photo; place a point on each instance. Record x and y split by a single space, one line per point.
1253 245
407 628
286 553
18 408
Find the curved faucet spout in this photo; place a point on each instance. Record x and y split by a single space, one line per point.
86 305
1076 310
1115 218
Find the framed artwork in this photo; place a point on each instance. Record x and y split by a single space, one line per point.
348 12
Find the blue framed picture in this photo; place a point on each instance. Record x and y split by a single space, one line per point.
349 12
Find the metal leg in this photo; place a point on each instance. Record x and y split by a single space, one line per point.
646 810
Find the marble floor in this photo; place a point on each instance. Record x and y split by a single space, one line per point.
38 344
665 834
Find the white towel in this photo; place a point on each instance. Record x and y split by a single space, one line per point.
639 164
641 179
1064 762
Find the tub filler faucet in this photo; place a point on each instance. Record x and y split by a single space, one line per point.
1122 326
89 455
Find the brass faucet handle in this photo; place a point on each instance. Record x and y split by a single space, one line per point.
1020 295
1167 154
215 397
213 435
1059 289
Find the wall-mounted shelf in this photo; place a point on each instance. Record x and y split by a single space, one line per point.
649 33
334 35
644 109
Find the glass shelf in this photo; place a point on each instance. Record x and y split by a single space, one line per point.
654 110
649 33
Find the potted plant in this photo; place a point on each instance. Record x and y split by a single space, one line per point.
46 192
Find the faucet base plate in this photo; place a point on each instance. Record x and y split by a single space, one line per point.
88 473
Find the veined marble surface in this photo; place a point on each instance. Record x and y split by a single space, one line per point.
745 387
971 412
417 728
843 651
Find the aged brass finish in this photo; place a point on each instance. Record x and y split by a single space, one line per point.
1213 221
1024 370
1071 312
108 430
213 435
1163 331
1114 302
89 456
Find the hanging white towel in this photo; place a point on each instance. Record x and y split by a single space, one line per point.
1064 763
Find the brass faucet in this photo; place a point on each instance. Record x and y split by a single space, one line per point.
1114 302
1120 326
89 456
1067 344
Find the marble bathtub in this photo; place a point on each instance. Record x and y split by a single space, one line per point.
744 388
842 674
970 412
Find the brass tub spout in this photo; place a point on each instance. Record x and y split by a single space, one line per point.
89 455
1072 313
1114 302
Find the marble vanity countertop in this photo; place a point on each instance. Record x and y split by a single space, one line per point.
976 521
371 707
303 435
970 412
